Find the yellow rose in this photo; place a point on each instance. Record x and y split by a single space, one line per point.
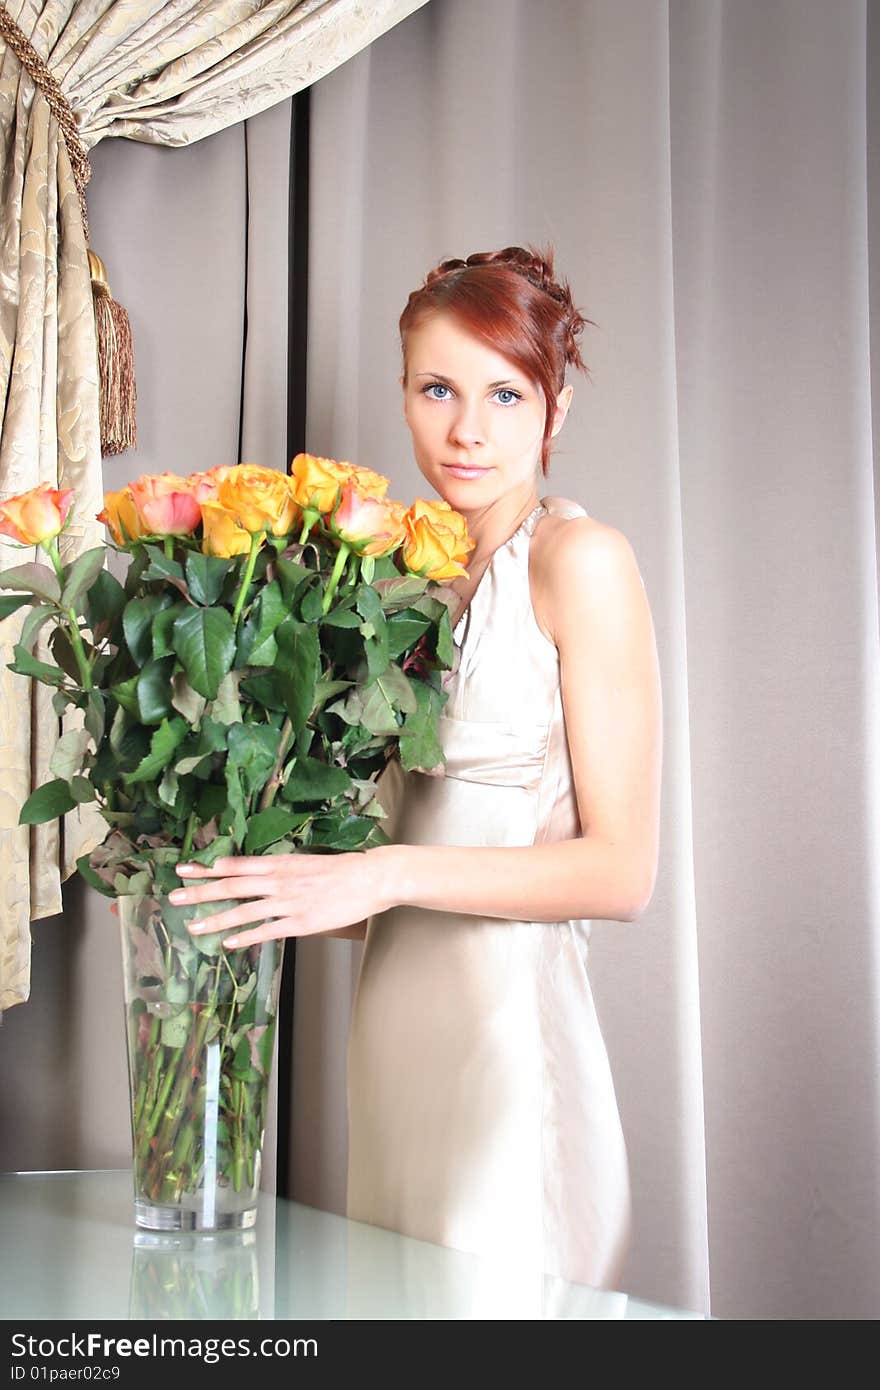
119 511
221 535
436 543
315 482
35 516
257 497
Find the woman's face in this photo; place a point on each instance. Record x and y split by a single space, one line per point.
467 405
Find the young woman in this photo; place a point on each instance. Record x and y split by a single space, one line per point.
482 1111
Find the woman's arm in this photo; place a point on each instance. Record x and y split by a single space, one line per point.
595 604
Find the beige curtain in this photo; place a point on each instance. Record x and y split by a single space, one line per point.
708 171
166 74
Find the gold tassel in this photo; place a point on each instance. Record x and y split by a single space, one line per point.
115 364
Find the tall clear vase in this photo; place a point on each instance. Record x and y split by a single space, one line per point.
200 1027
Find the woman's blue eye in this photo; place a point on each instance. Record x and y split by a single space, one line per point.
441 386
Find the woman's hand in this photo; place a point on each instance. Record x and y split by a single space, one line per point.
306 894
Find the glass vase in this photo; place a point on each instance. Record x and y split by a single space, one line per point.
200 1028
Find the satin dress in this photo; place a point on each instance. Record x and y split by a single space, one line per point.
482 1114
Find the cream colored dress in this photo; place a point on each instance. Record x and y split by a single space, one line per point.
481 1109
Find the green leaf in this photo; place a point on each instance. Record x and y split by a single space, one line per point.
95 715
82 790
154 690
125 694
62 651
160 567
219 848
311 600
137 623
268 826
33 579
265 690
27 665
420 748
10 603
299 664
312 780
162 625
268 611
32 624
206 575
253 749
342 617
404 630
204 640
81 574
106 600
169 734
343 832
291 576
46 803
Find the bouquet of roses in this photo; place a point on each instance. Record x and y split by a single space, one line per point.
274 640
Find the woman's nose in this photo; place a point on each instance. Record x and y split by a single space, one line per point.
467 428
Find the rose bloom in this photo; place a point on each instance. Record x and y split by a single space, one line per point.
35 516
368 482
436 544
165 505
258 497
222 535
370 526
315 482
204 485
119 511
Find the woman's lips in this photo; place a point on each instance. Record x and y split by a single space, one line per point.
459 470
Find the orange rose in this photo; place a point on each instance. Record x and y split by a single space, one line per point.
370 526
442 514
35 516
165 505
315 482
258 497
120 517
367 481
204 485
437 543
222 535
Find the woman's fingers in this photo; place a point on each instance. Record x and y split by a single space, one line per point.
212 890
254 911
259 935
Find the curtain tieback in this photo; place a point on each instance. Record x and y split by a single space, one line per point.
118 389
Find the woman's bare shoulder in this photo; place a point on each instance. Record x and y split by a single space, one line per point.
563 543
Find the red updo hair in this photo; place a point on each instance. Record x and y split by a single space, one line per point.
511 300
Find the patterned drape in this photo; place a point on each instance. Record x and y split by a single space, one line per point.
167 74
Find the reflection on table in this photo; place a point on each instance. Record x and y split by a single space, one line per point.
77 1255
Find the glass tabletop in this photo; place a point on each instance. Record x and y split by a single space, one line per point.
76 1254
